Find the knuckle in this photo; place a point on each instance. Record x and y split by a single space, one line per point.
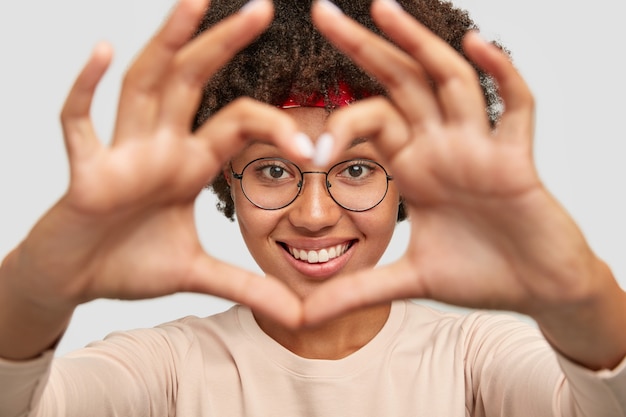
530 98
244 105
63 115
67 116
130 78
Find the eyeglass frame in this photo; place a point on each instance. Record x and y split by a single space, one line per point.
300 185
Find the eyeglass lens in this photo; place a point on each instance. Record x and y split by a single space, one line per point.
274 183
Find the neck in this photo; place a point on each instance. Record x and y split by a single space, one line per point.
334 339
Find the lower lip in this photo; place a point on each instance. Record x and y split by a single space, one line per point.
320 270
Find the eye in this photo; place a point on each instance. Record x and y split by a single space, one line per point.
273 171
355 170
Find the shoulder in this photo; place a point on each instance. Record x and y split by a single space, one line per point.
173 339
191 328
468 327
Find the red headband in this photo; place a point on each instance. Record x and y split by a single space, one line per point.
343 98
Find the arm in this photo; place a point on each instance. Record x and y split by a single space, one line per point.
485 232
126 374
512 371
125 226
590 329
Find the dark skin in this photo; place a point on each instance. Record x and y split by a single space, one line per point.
303 64
137 217
467 203
479 197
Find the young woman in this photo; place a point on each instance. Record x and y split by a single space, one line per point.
318 158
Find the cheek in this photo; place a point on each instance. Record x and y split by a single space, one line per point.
249 217
379 224
386 213
255 225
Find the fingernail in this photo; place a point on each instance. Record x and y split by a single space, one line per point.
476 33
392 3
250 5
330 6
304 145
323 148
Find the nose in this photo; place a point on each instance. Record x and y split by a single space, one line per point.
314 209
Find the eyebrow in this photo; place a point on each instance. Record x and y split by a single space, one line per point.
357 141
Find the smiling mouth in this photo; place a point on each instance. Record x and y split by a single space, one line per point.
319 255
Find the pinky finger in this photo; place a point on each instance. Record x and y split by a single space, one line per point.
78 128
518 118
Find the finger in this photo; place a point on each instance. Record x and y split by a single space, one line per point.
403 77
204 56
78 130
408 159
373 119
361 289
517 121
460 96
265 295
139 99
245 120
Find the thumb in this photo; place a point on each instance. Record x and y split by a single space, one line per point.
361 289
267 295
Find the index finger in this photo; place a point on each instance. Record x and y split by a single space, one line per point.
405 79
143 79
201 58
456 81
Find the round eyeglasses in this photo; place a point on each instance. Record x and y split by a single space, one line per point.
274 183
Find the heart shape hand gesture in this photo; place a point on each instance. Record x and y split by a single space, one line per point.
484 230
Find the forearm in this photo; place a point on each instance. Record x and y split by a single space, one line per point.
26 327
590 331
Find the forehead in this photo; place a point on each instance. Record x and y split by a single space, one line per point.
310 120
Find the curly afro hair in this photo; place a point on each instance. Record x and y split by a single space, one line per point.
292 59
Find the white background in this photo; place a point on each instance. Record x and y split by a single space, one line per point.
569 52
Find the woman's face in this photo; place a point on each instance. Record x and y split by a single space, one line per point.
335 240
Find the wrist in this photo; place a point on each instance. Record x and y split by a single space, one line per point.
588 329
28 325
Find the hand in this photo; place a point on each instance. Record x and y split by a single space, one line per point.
125 227
484 231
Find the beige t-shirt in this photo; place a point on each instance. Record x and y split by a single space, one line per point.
422 363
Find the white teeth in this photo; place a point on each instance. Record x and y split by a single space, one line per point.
319 256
